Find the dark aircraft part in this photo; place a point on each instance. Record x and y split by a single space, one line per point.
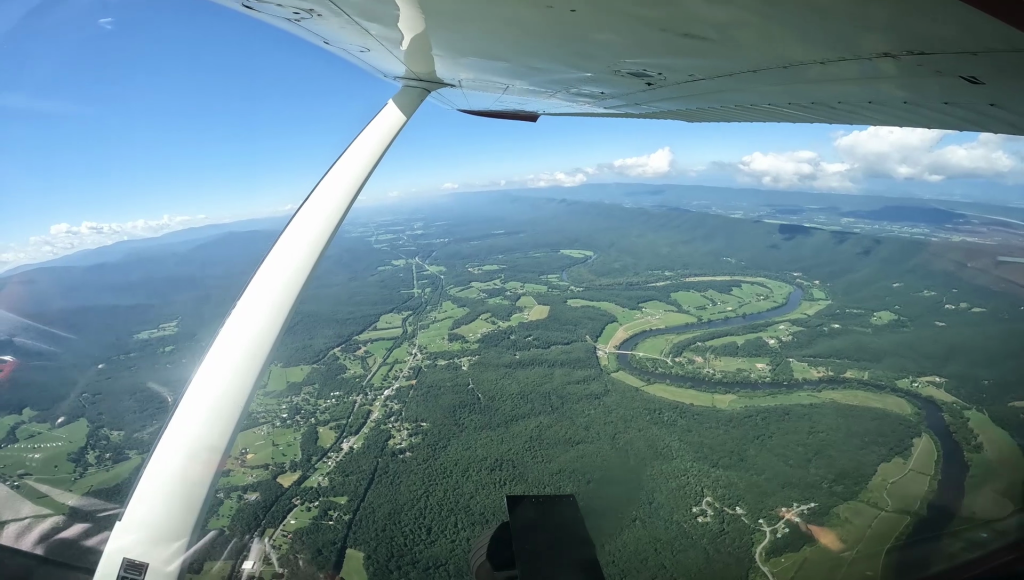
491 557
526 116
545 538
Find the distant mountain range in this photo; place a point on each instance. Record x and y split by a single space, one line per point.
174 241
750 203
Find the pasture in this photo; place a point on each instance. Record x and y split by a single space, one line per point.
883 317
42 450
380 334
287 479
326 435
352 568
281 377
865 526
995 483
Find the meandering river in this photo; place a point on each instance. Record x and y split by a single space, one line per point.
924 537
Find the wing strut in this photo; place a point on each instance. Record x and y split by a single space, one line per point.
170 496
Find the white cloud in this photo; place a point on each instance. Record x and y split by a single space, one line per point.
107 23
903 153
65 238
886 152
557 178
795 169
657 164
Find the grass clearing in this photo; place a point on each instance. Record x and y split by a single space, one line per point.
526 301
539 312
377 350
689 299
466 292
217 570
804 371
863 525
390 320
435 336
577 253
353 569
105 477
681 395
778 333
485 268
806 309
995 483
97 479
223 516
608 333
939 394
9 420
658 306
42 450
869 399
867 562
883 317
263 445
326 436
380 334
729 364
906 492
299 518
656 345
628 379
287 479
482 325
281 377
732 401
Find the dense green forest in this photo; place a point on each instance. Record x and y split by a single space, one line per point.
451 353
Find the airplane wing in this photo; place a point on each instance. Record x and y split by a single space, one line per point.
949 64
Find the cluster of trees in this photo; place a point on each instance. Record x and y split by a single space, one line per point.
563 325
105 451
550 421
960 426
320 546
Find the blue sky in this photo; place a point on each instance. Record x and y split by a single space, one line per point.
113 111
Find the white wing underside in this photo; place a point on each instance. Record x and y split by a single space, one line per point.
915 63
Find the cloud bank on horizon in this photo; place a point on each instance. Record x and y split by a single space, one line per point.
927 156
890 153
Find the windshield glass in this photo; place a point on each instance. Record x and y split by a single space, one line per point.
781 351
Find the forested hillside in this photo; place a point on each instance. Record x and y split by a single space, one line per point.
656 362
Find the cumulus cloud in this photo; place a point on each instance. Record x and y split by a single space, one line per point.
107 23
65 238
886 152
904 153
795 169
657 164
